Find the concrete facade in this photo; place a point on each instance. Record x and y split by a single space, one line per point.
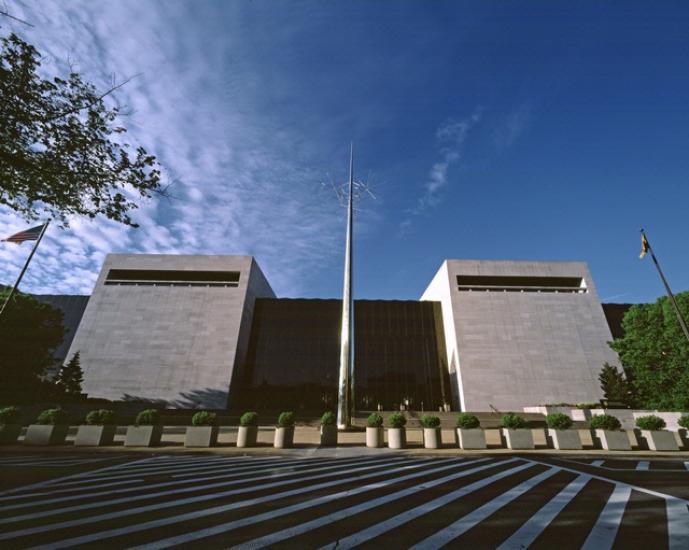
520 334
175 343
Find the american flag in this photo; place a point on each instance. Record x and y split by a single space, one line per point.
28 235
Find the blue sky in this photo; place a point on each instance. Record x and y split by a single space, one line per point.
536 131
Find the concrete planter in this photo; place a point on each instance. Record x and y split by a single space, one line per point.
374 437
518 439
201 436
613 440
246 436
328 436
683 434
9 433
661 440
397 438
474 438
284 438
46 434
432 439
95 436
143 436
565 439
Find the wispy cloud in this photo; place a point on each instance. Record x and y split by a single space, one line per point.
450 138
243 185
513 126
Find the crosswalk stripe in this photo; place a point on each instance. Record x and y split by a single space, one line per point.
530 530
51 482
597 462
356 509
686 464
408 515
208 511
462 525
642 465
603 534
148 487
268 516
677 525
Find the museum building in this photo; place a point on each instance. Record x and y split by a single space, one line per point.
209 332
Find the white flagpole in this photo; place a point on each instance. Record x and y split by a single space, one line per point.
26 265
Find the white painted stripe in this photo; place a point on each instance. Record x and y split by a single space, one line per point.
155 469
642 465
274 473
598 463
53 481
677 525
529 531
462 525
415 513
287 533
208 511
635 487
604 531
686 464
61 491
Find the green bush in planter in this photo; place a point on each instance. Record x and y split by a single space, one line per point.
52 417
467 421
605 422
512 421
286 419
558 421
684 421
204 418
588 405
428 421
100 417
249 419
9 415
374 420
148 417
397 420
651 422
328 418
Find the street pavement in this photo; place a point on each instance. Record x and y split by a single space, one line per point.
367 500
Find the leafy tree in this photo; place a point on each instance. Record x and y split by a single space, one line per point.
62 151
614 384
655 354
29 333
69 379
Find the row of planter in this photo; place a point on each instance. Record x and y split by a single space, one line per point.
51 429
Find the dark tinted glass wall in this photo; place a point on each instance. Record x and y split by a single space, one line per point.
293 357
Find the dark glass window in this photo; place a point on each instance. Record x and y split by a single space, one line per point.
294 349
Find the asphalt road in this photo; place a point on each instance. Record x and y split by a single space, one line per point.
368 501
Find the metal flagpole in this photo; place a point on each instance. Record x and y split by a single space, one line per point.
346 383
680 318
26 265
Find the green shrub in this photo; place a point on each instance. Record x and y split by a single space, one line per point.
52 416
9 415
684 421
650 422
605 422
148 417
374 420
397 420
328 418
100 417
467 421
204 418
513 421
588 405
428 421
558 421
249 419
286 419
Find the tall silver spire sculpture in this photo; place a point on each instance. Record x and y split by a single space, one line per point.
345 394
